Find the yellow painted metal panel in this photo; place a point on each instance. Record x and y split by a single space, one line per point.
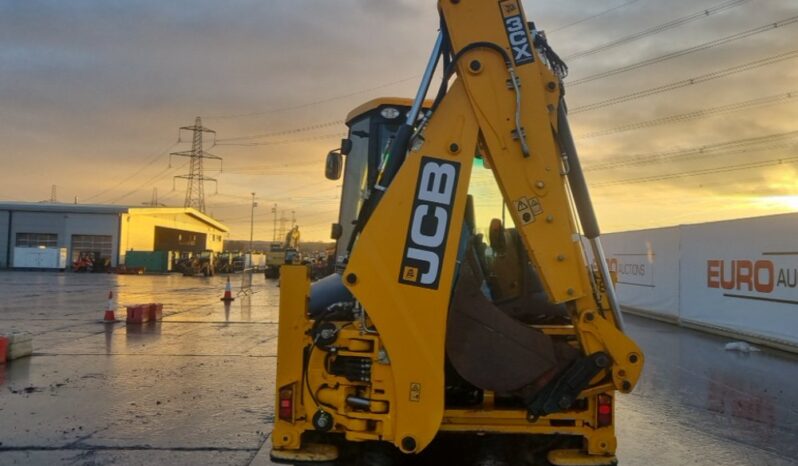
534 187
294 292
411 319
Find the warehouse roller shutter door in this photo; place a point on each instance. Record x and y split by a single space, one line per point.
96 244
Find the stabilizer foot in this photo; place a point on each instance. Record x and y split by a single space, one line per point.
317 454
577 458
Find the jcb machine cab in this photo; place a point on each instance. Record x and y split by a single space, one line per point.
465 302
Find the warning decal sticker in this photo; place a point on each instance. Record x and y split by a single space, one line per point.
527 209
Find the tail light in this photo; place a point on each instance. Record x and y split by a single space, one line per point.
286 408
604 410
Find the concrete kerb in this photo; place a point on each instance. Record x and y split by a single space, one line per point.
773 343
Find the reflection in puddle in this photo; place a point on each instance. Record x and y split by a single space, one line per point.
246 308
141 334
109 333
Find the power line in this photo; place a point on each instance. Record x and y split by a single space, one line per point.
319 197
299 168
146 165
701 172
710 11
298 188
231 196
657 29
269 172
697 153
281 191
168 195
705 150
285 141
157 177
688 82
316 202
591 17
306 226
316 102
285 132
687 51
753 103
273 166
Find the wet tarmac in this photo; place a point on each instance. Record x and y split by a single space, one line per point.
197 388
698 404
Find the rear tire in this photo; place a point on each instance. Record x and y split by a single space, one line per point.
305 463
378 454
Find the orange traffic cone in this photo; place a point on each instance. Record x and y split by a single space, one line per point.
228 292
109 309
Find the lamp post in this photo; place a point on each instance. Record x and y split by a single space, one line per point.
274 229
252 224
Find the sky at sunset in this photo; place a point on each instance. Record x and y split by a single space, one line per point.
684 111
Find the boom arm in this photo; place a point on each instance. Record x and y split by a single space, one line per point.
402 268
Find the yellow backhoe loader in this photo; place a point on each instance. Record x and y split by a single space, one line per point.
447 319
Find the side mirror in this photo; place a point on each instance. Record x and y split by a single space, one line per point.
333 165
337 231
346 146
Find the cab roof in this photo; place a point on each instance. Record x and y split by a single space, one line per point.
378 102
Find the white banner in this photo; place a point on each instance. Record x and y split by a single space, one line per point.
739 276
743 275
647 264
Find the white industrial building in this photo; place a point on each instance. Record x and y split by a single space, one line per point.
53 235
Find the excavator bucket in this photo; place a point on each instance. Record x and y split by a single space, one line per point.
492 350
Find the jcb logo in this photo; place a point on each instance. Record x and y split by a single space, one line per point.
516 33
429 223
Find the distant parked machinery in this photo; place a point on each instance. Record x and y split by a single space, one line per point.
230 262
192 265
84 263
322 264
91 261
286 252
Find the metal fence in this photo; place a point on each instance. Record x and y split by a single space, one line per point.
246 282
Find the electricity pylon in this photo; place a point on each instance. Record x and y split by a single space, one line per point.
195 179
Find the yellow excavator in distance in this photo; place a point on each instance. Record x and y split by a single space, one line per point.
286 252
435 327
